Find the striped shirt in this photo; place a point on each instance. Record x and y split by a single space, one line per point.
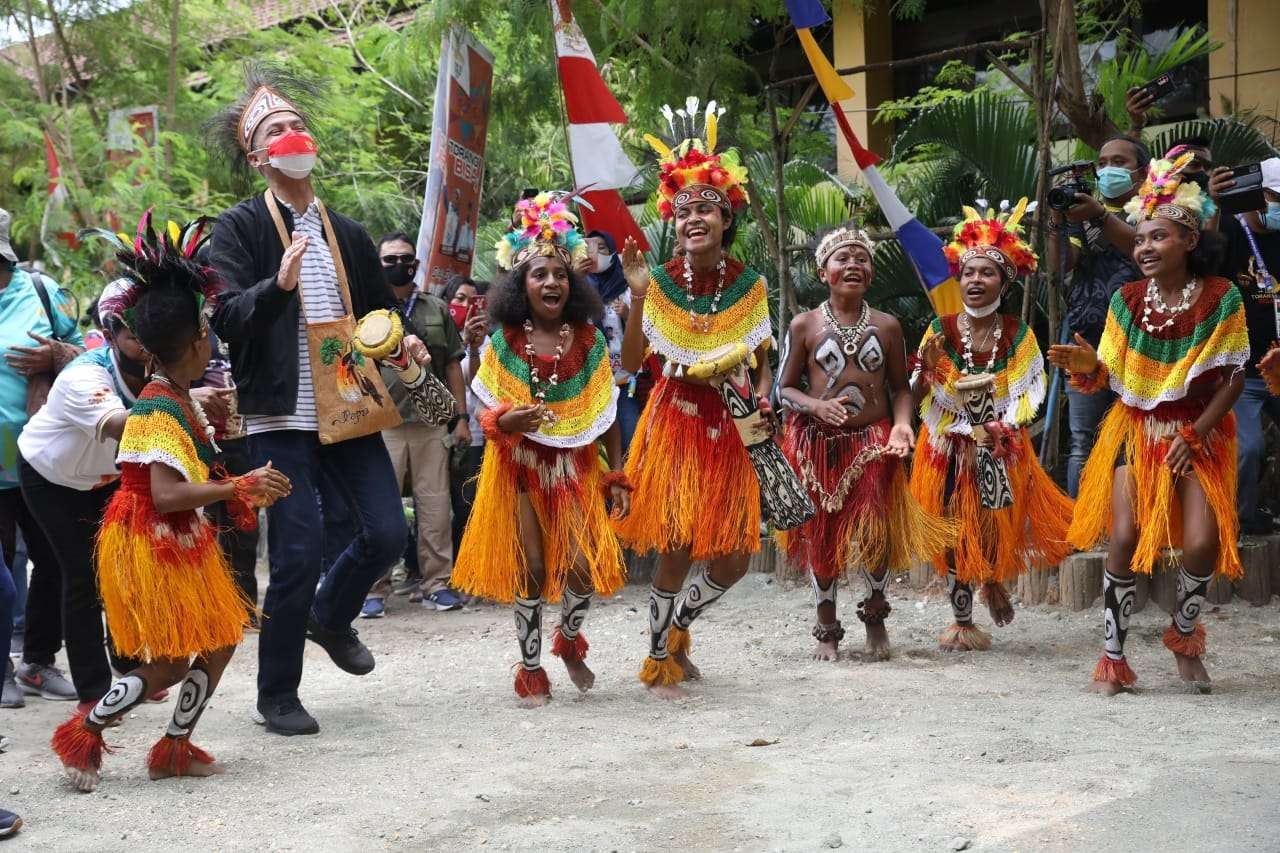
321 301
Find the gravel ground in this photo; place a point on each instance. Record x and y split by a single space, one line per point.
931 752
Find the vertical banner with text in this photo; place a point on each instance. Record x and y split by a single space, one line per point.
460 121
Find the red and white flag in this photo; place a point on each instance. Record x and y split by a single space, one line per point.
595 153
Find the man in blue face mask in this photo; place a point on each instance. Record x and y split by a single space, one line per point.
1097 270
1246 259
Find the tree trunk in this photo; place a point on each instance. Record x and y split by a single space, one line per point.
1085 111
69 57
171 95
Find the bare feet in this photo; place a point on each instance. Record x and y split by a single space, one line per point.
536 700
826 650
194 768
877 642
998 603
691 672
1105 688
580 674
85 781
668 692
1193 674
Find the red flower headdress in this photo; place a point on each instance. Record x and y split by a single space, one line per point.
690 169
997 237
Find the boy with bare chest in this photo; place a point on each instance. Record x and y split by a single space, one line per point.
843 380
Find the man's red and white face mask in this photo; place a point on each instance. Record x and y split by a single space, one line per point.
293 154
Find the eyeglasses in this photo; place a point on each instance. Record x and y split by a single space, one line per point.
392 260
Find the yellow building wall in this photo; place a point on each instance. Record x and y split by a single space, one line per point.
862 36
1250 34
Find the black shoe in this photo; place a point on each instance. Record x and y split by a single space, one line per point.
344 647
286 717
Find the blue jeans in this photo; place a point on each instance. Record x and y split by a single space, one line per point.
360 471
1254 402
1084 413
628 416
8 600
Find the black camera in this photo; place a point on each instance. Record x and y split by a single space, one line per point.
1246 195
1063 196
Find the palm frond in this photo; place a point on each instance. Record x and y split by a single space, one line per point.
992 134
1232 142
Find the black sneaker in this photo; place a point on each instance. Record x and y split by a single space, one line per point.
344 647
286 717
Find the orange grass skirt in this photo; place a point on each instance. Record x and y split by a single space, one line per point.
565 489
165 585
694 483
1139 440
1000 544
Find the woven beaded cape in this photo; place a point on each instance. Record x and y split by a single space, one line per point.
584 400
742 314
161 428
1149 368
1018 368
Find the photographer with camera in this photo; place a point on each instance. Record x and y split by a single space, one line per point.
1098 268
1249 271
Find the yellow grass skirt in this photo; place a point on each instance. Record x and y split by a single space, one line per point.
694 483
1000 544
1140 440
565 489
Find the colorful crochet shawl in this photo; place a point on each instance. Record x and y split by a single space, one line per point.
742 315
1019 371
585 400
1147 369
161 428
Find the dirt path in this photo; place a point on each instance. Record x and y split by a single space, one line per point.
927 752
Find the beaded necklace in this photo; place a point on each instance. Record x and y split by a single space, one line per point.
1153 302
966 338
704 322
848 335
536 385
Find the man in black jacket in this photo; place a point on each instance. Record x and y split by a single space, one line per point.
259 318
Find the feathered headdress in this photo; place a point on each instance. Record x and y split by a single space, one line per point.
541 226
269 88
1164 194
689 169
997 236
152 259
846 235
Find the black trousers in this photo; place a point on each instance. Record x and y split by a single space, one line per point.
43 635
68 520
462 489
241 548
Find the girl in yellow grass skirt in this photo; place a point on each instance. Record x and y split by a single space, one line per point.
982 380
168 593
1162 473
539 529
697 497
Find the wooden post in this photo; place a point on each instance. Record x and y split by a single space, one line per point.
1033 586
1258 556
1164 583
921 575
1080 579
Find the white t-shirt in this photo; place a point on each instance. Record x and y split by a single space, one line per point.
63 441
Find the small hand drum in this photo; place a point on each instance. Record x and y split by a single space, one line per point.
994 489
783 499
378 335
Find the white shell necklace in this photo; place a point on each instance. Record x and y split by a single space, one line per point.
703 323
1153 303
848 335
966 338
